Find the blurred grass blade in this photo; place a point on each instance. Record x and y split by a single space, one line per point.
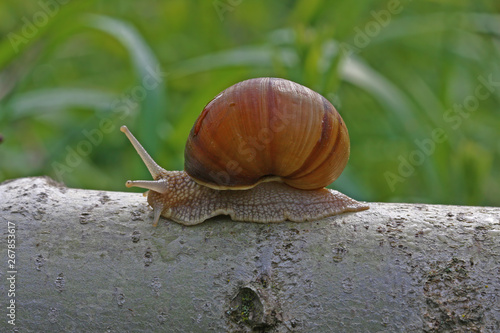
258 56
17 42
477 24
154 104
402 27
43 101
305 10
484 23
358 73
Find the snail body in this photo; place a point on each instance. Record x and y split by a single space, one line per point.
261 151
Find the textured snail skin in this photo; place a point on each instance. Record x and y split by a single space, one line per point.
189 203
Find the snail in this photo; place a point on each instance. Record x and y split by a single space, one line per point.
261 151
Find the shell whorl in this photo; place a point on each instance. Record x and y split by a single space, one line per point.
267 129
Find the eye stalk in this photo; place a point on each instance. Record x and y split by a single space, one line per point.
160 185
154 169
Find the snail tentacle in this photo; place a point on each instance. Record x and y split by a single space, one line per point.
154 169
160 185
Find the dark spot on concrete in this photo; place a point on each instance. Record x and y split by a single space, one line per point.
162 316
119 296
466 217
136 236
104 198
60 282
293 324
38 214
136 215
339 253
264 280
85 217
39 261
156 286
347 285
53 314
148 257
42 197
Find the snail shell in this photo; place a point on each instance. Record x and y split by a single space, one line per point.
267 129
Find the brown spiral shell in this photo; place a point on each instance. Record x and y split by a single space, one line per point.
267 129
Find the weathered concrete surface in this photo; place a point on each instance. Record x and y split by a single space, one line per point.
90 261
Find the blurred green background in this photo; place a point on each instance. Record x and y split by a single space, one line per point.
417 83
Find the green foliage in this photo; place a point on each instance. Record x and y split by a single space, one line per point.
417 83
